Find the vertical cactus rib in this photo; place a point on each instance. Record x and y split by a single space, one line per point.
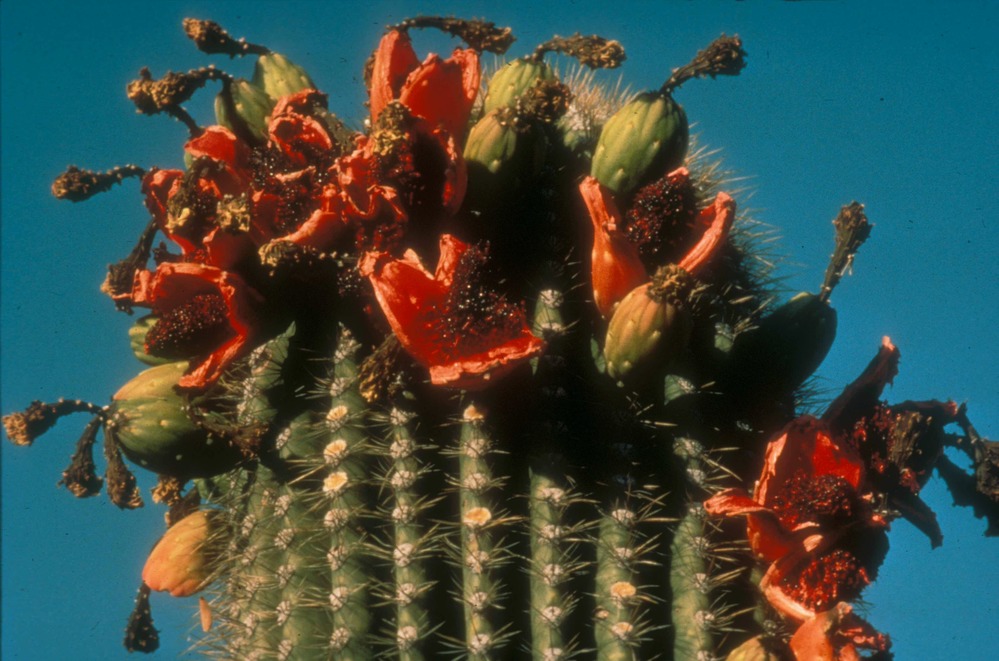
344 454
411 538
481 551
698 578
553 535
690 585
554 561
623 547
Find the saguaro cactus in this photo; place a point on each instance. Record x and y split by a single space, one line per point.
577 435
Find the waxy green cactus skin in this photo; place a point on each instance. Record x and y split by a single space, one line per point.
645 332
785 348
149 419
513 79
643 140
244 108
278 76
503 157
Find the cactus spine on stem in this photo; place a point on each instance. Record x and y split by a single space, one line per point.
483 524
347 454
554 533
412 540
624 546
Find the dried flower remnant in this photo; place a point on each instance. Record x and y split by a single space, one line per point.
122 487
24 427
152 96
592 51
77 185
723 57
211 38
140 634
81 476
479 35
852 229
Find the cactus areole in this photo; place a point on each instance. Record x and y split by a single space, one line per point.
460 384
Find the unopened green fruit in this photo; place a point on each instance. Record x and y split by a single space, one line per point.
278 76
491 142
150 422
785 348
643 140
512 80
502 157
645 329
242 107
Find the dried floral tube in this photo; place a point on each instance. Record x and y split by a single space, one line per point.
480 35
25 426
81 476
140 634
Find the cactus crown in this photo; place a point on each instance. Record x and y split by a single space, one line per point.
433 395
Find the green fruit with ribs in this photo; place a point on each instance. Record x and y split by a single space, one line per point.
787 346
278 76
512 80
643 140
244 108
148 418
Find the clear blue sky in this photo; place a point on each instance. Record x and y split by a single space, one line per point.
890 103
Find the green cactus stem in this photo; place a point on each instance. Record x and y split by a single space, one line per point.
413 540
554 559
482 550
691 610
298 579
345 450
554 535
623 547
